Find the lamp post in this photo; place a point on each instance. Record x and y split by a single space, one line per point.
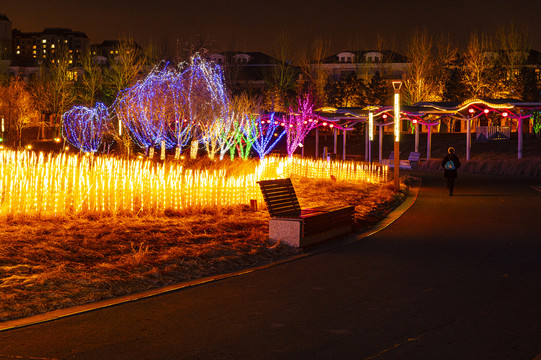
396 86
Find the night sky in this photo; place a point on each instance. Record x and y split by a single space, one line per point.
256 25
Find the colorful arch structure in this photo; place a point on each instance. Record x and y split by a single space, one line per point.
430 114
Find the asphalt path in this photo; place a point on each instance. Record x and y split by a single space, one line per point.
453 278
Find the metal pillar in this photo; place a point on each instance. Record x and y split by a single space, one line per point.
317 142
519 131
468 138
366 141
417 137
344 147
380 143
335 133
429 142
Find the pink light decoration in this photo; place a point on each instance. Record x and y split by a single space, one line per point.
296 124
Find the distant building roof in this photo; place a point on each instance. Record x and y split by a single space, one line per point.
360 56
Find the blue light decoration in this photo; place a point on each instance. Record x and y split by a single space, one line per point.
267 134
153 109
207 104
85 127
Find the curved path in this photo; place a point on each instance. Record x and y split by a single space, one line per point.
453 278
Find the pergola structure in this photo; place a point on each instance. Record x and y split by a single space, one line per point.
426 113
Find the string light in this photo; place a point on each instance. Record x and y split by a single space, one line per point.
85 127
298 124
268 135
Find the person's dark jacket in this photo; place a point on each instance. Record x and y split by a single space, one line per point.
454 159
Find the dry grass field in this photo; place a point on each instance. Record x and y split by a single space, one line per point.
53 263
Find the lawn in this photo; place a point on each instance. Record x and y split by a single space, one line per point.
57 262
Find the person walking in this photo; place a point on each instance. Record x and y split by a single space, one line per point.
450 164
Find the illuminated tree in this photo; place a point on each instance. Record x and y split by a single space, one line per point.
420 85
207 104
299 123
17 107
152 110
478 61
85 127
267 133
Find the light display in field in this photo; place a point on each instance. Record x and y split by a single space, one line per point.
153 110
207 105
267 132
299 123
85 127
33 184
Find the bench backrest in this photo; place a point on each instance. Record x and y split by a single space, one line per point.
280 198
391 155
414 156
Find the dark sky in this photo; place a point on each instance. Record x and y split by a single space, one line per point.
256 25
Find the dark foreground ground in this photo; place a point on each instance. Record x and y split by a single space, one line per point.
453 278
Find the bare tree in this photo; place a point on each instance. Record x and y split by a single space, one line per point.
478 61
17 105
92 79
54 89
514 49
420 85
282 78
445 62
311 63
125 68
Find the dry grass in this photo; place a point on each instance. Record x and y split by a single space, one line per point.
47 264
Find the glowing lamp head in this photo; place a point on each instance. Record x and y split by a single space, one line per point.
486 111
471 111
67 148
505 114
28 147
415 121
384 116
324 124
331 126
57 140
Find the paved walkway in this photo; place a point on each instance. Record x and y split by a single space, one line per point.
453 278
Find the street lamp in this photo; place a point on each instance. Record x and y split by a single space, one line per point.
396 86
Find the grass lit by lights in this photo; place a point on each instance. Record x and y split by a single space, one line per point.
38 184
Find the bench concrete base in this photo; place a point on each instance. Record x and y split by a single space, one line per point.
290 232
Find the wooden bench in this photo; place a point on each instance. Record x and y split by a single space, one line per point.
412 162
301 227
390 160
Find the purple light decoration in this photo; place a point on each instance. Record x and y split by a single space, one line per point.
298 124
85 127
153 108
264 133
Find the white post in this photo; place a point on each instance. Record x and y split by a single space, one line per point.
344 147
468 138
317 142
417 137
519 131
428 142
380 143
366 141
335 133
